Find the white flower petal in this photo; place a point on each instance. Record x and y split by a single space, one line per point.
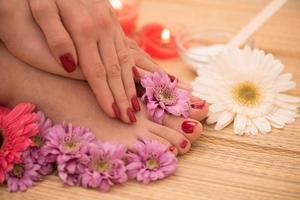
262 124
286 105
212 118
288 98
216 80
224 119
240 122
216 107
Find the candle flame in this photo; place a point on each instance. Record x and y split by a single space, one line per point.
116 4
165 35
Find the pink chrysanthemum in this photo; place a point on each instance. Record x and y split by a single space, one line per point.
162 94
106 167
45 162
151 162
22 174
16 128
68 145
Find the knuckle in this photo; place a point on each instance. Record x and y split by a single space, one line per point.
124 57
114 71
84 26
99 70
103 21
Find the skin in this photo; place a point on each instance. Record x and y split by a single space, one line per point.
38 32
51 93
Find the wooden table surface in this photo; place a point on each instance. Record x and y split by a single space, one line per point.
220 165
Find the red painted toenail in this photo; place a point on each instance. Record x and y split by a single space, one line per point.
131 115
183 144
68 62
135 103
188 126
116 110
198 105
172 148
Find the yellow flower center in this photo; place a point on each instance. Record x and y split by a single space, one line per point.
165 96
37 140
152 163
17 171
101 165
246 93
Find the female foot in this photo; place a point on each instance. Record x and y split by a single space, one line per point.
71 101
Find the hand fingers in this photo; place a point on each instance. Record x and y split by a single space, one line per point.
143 61
127 63
82 30
59 41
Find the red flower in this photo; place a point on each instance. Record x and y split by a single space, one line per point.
16 128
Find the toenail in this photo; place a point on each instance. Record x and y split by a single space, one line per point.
188 126
135 103
183 144
198 105
172 148
131 115
116 110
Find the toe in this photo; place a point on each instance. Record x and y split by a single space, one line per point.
190 128
177 139
153 136
199 109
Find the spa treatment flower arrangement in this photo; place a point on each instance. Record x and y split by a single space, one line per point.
246 87
33 147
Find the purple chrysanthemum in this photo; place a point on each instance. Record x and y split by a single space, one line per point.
45 162
106 167
68 145
162 94
151 162
23 174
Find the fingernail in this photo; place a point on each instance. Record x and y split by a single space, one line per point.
131 115
116 110
68 62
136 74
172 148
135 103
183 144
198 104
140 90
188 126
172 78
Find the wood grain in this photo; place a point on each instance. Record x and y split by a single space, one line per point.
220 165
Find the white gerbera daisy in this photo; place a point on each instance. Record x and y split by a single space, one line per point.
245 86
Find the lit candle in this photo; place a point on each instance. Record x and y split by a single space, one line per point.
127 14
165 36
158 41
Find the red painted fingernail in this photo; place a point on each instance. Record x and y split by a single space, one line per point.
136 74
198 104
116 110
135 103
172 148
140 90
68 62
131 115
172 78
183 144
188 126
